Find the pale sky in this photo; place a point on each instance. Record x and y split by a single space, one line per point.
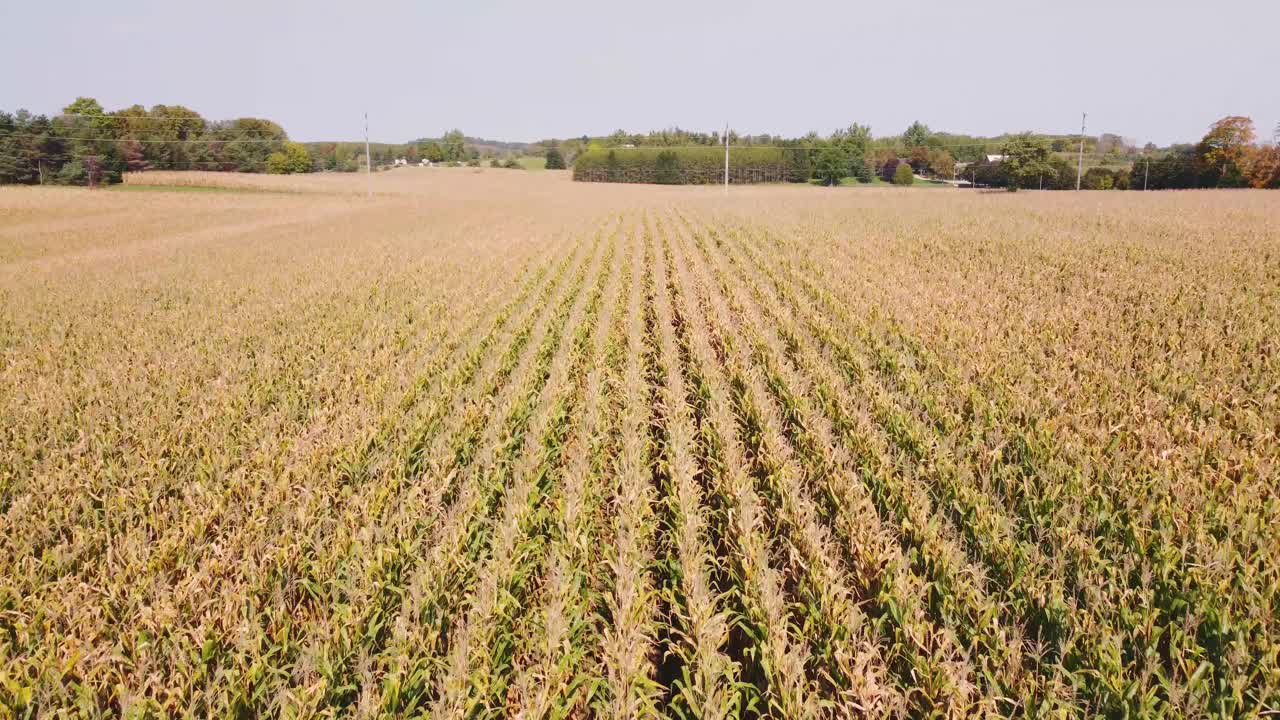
1159 70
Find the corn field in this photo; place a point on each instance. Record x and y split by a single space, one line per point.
495 445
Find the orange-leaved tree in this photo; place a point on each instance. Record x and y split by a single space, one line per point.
1226 146
1262 167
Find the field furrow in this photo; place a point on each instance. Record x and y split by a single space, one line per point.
509 546
628 638
702 676
779 653
556 649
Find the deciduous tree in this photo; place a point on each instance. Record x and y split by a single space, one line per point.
1026 159
433 152
1263 167
854 142
942 164
1224 147
454 145
831 165
292 158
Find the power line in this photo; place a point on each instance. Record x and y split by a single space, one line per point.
993 144
810 149
153 165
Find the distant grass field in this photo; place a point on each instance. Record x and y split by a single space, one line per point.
532 162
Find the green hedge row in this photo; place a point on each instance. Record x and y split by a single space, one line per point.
683 166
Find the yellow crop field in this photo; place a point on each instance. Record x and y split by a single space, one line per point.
496 444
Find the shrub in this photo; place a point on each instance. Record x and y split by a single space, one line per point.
555 161
72 173
902 175
1097 178
512 164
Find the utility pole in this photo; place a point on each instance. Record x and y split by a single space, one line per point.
1080 166
368 158
726 159
1146 175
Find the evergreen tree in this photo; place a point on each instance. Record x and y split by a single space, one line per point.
613 167
666 168
917 135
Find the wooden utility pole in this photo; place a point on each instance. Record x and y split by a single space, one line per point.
1080 166
1146 174
368 158
726 159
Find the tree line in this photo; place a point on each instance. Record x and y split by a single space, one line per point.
1228 156
85 144
687 165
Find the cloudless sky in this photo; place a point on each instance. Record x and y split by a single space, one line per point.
1159 70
